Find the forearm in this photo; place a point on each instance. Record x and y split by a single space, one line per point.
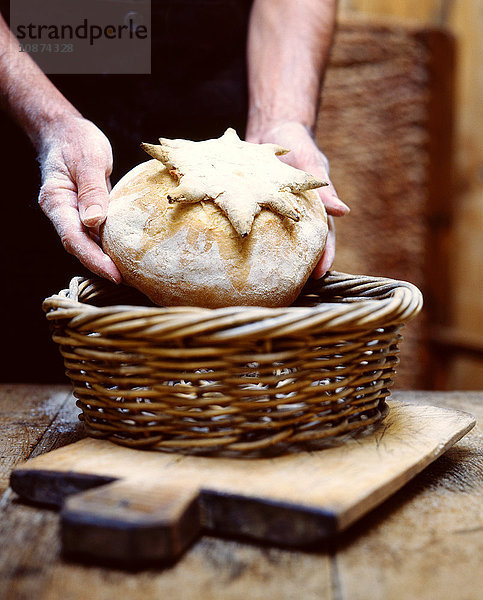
26 93
288 48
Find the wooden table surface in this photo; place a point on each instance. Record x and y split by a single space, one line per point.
424 543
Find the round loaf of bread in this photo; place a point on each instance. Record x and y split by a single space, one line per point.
190 253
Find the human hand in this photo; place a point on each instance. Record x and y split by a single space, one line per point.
304 154
76 162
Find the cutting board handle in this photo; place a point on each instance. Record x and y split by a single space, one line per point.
131 521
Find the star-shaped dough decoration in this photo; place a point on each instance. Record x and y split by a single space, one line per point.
240 177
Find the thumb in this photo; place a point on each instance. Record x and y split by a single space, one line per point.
92 198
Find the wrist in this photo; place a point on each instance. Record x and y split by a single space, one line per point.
260 130
51 127
48 126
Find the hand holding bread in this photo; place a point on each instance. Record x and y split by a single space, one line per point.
76 161
304 154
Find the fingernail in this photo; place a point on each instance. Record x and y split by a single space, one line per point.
113 279
343 204
342 207
117 279
93 215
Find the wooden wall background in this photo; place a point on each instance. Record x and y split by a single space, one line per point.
464 314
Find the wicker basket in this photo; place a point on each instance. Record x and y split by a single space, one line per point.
237 379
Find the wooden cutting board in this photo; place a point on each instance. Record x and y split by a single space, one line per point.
137 505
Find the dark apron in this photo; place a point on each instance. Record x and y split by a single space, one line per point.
197 88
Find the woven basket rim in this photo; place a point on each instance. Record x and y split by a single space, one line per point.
342 302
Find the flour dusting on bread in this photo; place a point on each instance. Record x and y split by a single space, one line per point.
190 252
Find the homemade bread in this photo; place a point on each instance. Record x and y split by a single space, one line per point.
214 224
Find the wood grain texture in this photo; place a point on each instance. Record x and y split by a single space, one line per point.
427 541
26 412
294 499
461 248
30 559
373 126
427 537
134 521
